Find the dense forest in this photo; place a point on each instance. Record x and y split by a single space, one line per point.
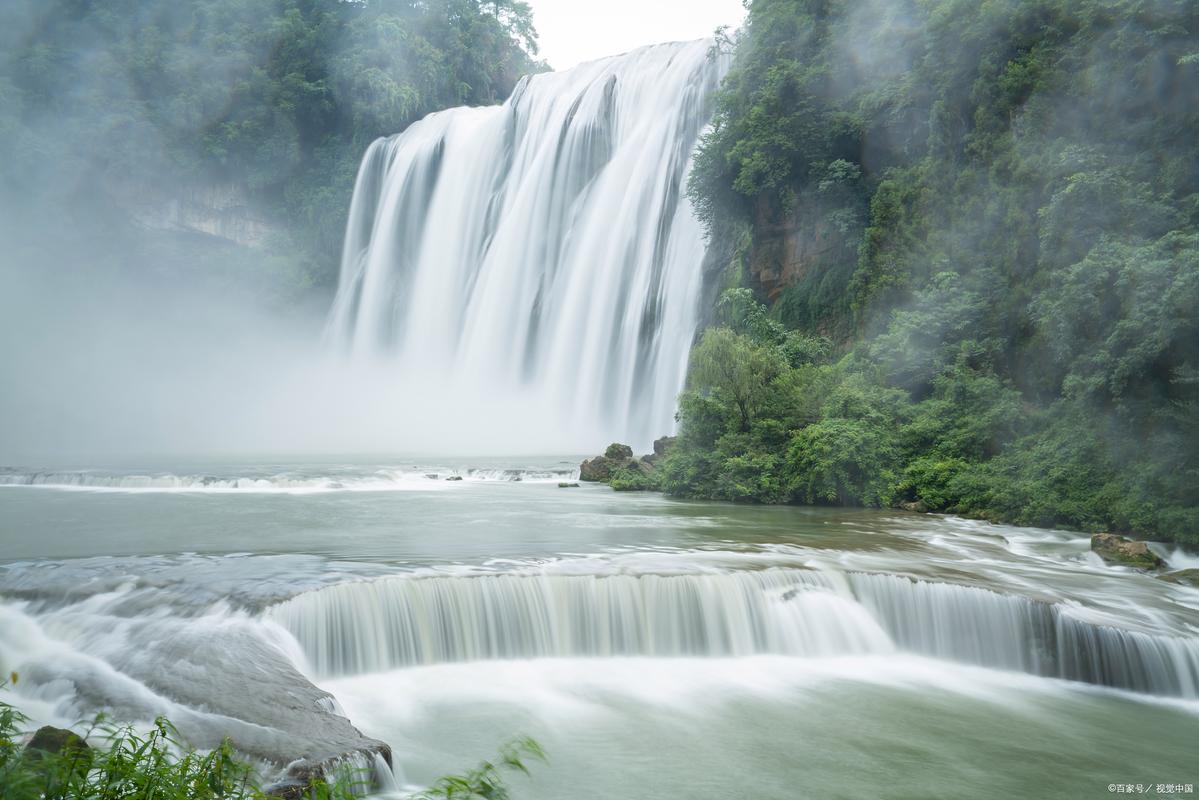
126 122
960 242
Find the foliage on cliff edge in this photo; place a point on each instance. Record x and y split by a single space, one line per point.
989 215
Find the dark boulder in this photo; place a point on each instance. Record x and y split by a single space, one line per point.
49 742
618 468
597 469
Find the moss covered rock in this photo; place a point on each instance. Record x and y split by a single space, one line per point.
1119 550
618 468
1186 577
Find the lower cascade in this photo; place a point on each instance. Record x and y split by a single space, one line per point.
541 253
369 626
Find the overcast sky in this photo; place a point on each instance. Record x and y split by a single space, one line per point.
581 30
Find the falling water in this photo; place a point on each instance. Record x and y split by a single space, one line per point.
541 253
367 626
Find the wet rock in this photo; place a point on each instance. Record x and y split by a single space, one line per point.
917 506
661 448
1186 577
597 469
454 478
620 469
301 778
49 741
568 485
1119 550
56 740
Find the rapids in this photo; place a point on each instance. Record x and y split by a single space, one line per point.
704 649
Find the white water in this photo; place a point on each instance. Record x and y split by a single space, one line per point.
504 607
541 256
387 479
371 626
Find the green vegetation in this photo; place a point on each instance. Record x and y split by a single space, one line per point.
976 230
129 766
486 781
109 105
59 765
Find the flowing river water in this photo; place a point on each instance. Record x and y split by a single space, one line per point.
655 648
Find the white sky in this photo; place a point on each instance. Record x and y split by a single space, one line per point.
581 30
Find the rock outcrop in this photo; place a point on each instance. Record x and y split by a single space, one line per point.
1119 550
621 470
1186 577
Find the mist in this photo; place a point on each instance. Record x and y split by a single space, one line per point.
103 367
172 211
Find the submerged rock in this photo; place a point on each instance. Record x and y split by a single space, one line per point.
1186 577
1119 550
454 478
568 485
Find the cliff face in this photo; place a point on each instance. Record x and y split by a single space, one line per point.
810 246
220 210
785 247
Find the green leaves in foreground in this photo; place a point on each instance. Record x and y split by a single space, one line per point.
487 780
126 765
122 764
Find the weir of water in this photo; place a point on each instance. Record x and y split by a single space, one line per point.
368 626
542 251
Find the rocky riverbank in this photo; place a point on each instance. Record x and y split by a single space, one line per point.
623 471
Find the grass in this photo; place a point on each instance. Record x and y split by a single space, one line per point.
119 763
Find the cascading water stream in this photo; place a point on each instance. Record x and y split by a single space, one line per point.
369 626
541 254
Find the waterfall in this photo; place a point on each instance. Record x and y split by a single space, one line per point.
369 626
540 254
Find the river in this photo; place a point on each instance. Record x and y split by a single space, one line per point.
653 647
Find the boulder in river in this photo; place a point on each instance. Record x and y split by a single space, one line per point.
601 468
1119 550
51 742
618 452
618 468
1186 577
